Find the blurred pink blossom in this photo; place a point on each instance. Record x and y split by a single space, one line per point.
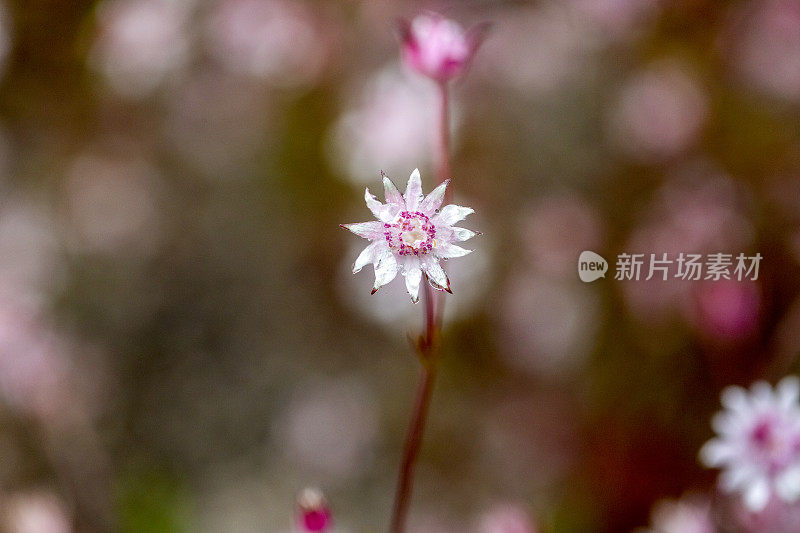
505 519
690 514
36 512
313 512
758 443
764 46
727 310
277 40
34 363
438 47
557 230
698 210
139 43
547 324
330 429
659 113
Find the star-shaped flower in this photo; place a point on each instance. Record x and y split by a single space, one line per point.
411 235
758 443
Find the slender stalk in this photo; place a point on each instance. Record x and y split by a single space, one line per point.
427 349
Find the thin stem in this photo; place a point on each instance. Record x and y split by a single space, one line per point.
427 348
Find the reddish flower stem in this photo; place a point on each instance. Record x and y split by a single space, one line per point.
427 349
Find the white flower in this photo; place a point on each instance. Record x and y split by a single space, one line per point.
758 446
411 235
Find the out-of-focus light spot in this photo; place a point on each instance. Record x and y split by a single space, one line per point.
659 114
39 512
30 262
763 43
276 40
111 204
690 514
615 20
505 519
140 42
547 324
330 429
535 50
217 122
390 128
527 443
557 230
726 310
698 210
34 363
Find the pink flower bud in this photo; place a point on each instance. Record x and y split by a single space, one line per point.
313 513
438 47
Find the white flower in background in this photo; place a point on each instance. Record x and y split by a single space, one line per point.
758 443
411 235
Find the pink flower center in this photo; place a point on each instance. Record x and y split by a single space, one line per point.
775 445
412 234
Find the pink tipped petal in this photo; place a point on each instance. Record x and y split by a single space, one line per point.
385 270
462 234
413 278
413 195
391 192
433 201
449 251
374 205
366 257
436 276
450 214
368 230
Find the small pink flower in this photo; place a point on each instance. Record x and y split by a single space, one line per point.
411 235
758 443
438 47
313 513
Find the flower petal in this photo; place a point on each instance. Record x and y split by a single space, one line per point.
787 485
369 230
391 192
756 496
462 234
385 270
448 251
367 256
450 214
413 277
434 200
413 194
382 212
788 391
436 276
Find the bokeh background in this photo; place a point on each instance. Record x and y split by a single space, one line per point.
183 346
